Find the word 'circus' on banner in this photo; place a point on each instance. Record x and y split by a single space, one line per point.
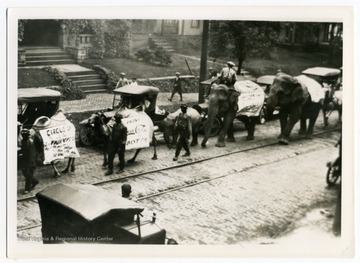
59 142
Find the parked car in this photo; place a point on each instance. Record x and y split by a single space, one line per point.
83 213
36 102
323 75
140 98
331 80
265 82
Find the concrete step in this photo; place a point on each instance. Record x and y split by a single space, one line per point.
158 40
50 62
96 91
81 73
45 52
47 57
86 82
84 77
39 47
92 87
161 42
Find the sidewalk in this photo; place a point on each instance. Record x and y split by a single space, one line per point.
101 101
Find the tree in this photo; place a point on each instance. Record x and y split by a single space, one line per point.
111 36
335 44
239 38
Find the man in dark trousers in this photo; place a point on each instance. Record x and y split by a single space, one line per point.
117 143
28 150
176 87
184 128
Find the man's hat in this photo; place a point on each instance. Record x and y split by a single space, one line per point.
25 132
126 188
118 116
183 106
122 73
177 73
230 63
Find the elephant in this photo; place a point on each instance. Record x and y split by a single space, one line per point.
299 98
168 126
244 102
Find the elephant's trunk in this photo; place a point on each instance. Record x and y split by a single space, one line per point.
212 113
272 100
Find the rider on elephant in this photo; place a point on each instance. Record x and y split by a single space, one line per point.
228 75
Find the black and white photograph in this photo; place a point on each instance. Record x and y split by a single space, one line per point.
149 126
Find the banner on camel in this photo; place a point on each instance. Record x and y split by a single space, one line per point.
138 132
59 142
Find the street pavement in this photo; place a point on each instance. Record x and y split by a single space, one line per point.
261 196
89 170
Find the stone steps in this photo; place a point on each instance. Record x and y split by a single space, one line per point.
89 81
161 42
42 56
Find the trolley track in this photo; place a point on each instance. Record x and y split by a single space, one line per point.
128 178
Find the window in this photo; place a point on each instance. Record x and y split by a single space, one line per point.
195 23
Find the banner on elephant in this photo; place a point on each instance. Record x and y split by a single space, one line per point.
138 132
251 98
59 142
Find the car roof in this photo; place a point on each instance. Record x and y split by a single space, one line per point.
87 200
37 94
137 90
267 79
322 72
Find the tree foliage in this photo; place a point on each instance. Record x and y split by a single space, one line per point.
239 38
110 37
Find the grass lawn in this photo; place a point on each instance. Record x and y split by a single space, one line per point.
142 70
291 62
34 77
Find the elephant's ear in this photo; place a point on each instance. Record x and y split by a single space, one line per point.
220 92
298 93
233 96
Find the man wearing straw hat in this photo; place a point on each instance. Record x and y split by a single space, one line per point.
122 81
176 87
228 75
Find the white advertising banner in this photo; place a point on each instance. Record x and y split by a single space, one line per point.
59 142
251 98
138 132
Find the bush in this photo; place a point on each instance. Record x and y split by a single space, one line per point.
155 56
109 76
145 54
68 89
162 56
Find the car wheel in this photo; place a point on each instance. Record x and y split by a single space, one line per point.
215 129
262 115
87 136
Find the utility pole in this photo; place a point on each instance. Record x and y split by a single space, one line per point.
203 62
